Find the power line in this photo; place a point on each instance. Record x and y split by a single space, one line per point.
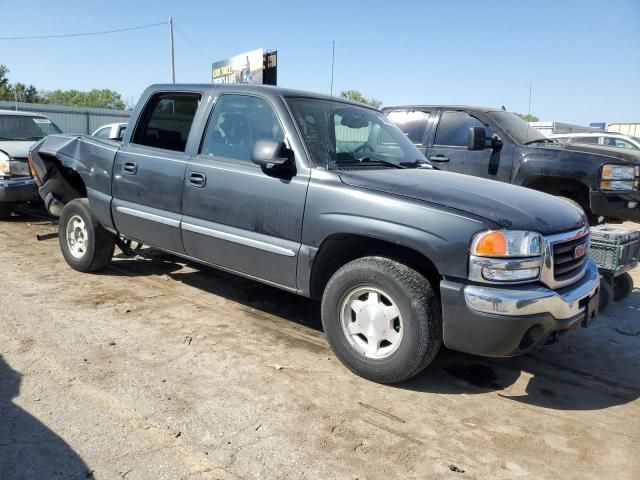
202 52
67 35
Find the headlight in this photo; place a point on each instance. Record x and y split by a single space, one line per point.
505 256
5 165
619 177
506 243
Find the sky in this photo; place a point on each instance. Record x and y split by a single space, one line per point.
581 58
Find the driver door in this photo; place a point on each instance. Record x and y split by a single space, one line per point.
449 150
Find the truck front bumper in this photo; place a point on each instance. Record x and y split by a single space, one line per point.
625 206
502 322
17 190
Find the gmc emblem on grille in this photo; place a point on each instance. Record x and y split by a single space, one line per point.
580 251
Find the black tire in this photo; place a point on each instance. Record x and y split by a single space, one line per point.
418 307
622 287
99 244
5 210
606 294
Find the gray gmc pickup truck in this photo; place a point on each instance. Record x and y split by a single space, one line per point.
328 199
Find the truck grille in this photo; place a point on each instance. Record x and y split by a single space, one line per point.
565 263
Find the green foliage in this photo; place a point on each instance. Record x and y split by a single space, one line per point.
103 98
527 117
98 98
356 96
18 91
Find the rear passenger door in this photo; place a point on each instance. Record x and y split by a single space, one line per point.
149 171
449 150
236 215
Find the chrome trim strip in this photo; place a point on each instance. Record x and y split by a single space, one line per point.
230 237
149 216
534 300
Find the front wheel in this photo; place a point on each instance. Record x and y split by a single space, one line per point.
382 319
85 244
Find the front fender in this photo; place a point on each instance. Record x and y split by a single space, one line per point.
541 162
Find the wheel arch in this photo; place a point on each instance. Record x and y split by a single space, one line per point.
339 249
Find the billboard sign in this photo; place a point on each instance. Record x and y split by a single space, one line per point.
254 67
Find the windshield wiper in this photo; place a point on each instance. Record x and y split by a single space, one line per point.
24 139
379 160
538 140
420 163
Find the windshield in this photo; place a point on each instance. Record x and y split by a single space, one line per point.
517 128
21 127
340 135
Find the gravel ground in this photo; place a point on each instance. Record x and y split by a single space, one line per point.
162 369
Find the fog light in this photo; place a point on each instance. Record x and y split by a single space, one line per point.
501 275
632 204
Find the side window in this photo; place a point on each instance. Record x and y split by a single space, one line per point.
166 121
413 124
236 123
103 132
453 129
618 142
590 140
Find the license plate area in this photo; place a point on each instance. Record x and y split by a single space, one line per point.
591 308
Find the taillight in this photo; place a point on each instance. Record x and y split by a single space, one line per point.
32 170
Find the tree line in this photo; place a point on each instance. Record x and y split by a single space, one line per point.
95 98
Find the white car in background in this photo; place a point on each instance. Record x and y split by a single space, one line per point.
608 139
112 131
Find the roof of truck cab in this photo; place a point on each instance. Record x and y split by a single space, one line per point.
470 108
266 90
21 113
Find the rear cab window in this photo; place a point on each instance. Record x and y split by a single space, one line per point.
166 120
412 123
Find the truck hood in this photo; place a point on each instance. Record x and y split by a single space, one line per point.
16 149
506 205
599 152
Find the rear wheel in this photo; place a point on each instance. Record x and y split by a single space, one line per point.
622 286
85 244
382 319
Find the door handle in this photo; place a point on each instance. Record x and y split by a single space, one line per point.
197 179
130 168
439 158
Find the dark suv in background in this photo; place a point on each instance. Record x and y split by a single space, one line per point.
495 144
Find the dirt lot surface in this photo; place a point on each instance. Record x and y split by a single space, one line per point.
166 370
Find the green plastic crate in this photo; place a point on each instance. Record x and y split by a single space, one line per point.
614 249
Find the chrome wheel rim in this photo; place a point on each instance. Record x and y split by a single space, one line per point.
371 322
77 236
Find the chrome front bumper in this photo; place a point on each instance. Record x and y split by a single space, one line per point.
526 300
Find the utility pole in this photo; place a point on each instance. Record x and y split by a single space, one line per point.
173 62
333 61
529 112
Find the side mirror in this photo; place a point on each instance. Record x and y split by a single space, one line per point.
477 138
271 155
